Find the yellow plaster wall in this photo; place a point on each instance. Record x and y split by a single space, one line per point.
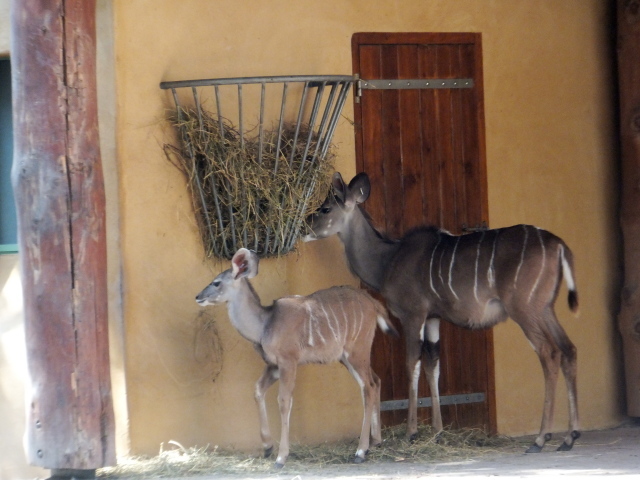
550 159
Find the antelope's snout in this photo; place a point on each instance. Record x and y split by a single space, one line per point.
310 221
206 297
310 237
201 300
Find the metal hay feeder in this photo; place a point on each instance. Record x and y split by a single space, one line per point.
313 102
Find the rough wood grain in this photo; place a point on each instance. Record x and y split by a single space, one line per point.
59 191
629 78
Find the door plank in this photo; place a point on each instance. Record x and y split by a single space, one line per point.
430 128
411 159
391 143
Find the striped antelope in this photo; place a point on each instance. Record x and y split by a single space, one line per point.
337 324
474 281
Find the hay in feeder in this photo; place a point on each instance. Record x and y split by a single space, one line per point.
252 192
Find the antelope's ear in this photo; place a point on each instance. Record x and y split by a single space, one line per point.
360 187
339 187
244 264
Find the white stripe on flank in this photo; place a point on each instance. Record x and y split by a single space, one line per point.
490 273
339 325
361 321
317 325
453 258
524 248
475 285
333 330
544 259
309 322
440 266
433 253
351 321
345 322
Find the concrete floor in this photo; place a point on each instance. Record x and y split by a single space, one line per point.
606 453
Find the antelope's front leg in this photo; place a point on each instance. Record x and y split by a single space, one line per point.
414 349
285 396
267 379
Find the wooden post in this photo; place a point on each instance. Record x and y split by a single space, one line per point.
59 191
629 78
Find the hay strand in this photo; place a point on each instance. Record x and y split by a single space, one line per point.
449 445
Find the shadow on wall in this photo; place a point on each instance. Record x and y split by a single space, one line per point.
13 375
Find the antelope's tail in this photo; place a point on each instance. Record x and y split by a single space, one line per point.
566 258
383 320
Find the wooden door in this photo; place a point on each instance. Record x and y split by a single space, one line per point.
423 149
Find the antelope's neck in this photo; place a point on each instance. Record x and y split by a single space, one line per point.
368 253
246 312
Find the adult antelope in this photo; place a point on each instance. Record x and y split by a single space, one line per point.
337 324
474 281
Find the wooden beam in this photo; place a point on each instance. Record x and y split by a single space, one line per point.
59 191
629 83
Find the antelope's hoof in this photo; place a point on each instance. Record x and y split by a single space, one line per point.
413 437
535 448
438 438
565 447
278 465
267 452
358 459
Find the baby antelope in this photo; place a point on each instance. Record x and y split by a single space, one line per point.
336 324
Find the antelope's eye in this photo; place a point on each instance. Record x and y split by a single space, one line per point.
325 210
216 283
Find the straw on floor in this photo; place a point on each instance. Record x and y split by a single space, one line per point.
175 460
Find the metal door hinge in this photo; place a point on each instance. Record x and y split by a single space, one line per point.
411 83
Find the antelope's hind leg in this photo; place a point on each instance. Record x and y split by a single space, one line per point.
550 357
361 371
569 366
555 350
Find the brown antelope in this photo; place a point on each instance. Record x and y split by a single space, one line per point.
337 324
475 281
